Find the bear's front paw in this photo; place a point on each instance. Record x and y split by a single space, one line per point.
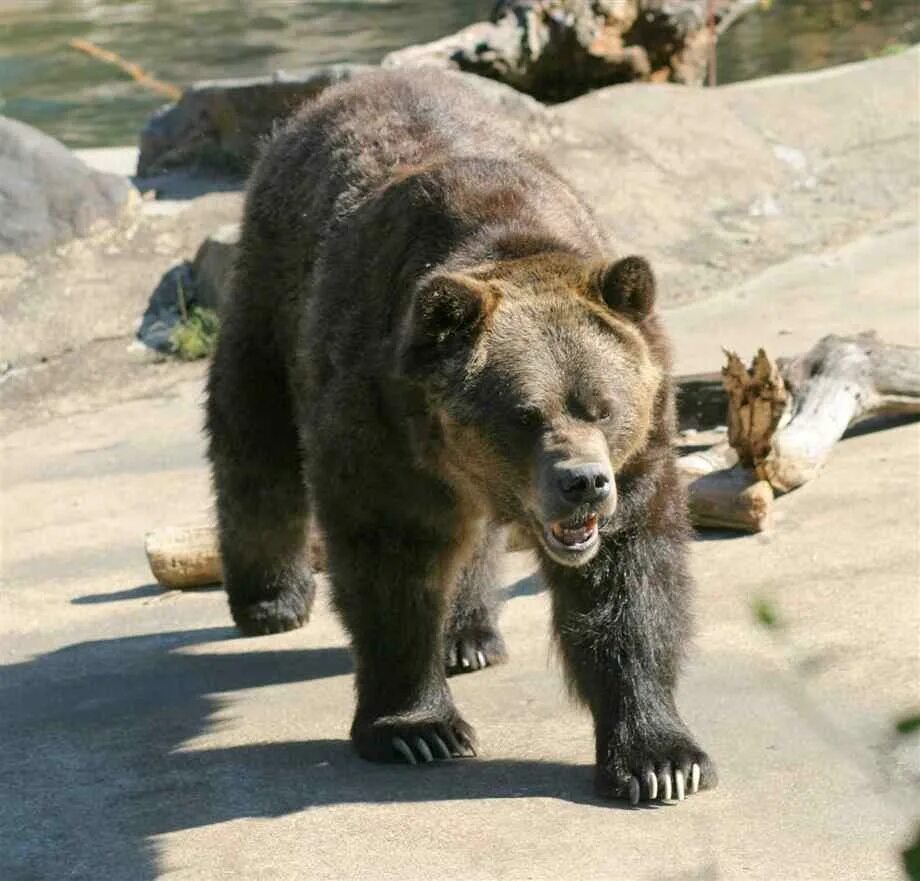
473 649
659 768
414 738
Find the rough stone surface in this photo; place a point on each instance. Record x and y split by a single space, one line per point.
98 288
219 123
49 196
213 264
164 311
716 184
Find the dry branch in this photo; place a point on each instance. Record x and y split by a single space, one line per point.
135 71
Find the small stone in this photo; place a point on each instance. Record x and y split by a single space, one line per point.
213 265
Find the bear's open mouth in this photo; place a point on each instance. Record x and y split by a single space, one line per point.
573 535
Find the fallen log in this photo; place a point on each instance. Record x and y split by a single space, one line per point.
184 556
722 493
558 49
839 382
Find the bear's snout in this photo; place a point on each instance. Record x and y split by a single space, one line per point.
583 483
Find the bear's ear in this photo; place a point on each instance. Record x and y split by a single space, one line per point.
628 286
449 309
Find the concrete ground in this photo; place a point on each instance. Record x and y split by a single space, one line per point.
141 738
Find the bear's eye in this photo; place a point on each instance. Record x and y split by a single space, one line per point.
602 414
529 417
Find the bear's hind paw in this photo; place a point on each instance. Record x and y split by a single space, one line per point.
415 742
469 652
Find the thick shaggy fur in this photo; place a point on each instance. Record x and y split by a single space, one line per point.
424 333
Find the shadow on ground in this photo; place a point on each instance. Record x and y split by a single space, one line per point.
92 751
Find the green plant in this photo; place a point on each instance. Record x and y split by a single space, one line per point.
894 48
195 336
766 614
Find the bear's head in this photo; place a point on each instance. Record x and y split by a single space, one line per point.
542 382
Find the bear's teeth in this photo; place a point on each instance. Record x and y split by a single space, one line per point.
578 535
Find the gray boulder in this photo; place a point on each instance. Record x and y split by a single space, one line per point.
48 195
217 124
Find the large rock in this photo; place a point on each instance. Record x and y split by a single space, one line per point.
48 195
218 125
716 185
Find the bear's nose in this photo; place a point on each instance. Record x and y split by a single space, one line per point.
581 484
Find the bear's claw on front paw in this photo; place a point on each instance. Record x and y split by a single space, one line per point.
665 773
661 782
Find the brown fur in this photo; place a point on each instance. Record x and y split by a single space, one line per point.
426 342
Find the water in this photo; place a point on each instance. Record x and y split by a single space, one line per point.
797 35
86 103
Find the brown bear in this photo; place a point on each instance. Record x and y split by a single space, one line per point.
426 342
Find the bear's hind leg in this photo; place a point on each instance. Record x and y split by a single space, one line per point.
472 640
262 503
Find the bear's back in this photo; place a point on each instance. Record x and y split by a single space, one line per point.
379 181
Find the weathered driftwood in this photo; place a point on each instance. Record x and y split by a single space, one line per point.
785 416
731 499
724 494
783 419
558 49
756 403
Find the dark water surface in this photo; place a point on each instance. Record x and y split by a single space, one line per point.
86 103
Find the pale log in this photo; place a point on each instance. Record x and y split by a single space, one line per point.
723 494
839 382
184 556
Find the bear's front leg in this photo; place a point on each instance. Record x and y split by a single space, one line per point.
391 588
622 620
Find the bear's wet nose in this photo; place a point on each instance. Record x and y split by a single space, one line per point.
584 483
